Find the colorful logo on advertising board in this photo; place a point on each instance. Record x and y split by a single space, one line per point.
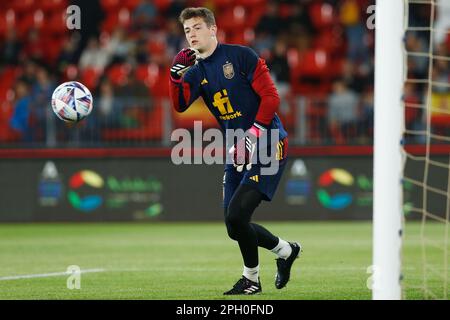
80 181
140 197
335 179
50 188
298 186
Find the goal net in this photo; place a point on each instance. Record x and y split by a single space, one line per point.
426 149
411 150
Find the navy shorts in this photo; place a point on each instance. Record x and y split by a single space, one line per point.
266 184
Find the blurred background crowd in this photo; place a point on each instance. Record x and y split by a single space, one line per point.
320 53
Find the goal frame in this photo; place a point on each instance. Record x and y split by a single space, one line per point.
388 160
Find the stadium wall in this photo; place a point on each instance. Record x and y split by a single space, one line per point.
154 189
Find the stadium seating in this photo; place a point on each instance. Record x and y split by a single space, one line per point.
312 67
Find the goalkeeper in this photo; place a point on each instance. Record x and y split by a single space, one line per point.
237 88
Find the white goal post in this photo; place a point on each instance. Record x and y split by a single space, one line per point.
388 160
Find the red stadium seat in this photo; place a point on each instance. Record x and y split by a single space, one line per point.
118 73
90 77
148 74
24 6
314 63
159 86
6 112
8 77
110 5
55 23
7 21
130 4
70 73
254 15
232 19
251 4
243 37
53 5
52 49
310 72
336 68
322 15
222 4
39 19
330 40
24 25
162 4
293 58
285 10
118 18
156 47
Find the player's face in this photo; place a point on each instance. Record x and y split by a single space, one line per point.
199 35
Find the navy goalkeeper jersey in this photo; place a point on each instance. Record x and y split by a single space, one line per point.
224 80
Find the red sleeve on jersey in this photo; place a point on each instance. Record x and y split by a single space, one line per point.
175 97
263 85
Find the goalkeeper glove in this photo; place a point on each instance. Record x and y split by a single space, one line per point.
182 62
249 145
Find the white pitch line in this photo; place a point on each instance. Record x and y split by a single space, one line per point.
45 275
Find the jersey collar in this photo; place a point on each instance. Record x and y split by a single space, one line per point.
215 52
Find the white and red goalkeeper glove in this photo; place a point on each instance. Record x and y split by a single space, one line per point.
182 62
245 149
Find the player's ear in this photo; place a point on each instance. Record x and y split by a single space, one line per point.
213 30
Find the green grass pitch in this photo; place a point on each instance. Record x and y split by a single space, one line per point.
194 261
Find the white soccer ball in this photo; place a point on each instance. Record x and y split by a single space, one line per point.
72 101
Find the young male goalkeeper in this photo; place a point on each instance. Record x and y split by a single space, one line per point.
237 88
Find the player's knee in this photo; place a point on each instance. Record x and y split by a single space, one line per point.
232 233
235 221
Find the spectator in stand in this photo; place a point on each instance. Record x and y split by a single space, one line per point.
20 119
365 130
413 114
270 23
107 112
442 23
68 55
417 66
11 48
355 30
41 94
441 70
144 16
91 19
299 20
133 97
29 71
263 44
357 76
267 30
141 54
174 37
280 71
94 56
34 47
175 8
343 112
120 47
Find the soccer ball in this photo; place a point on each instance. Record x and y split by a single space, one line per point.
72 101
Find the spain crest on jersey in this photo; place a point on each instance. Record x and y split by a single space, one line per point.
228 70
